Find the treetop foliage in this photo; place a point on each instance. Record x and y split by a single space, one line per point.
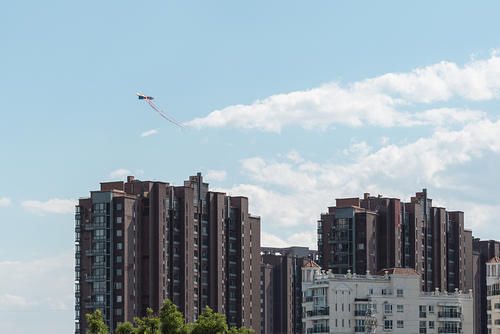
169 320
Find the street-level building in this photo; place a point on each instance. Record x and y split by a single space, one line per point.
342 303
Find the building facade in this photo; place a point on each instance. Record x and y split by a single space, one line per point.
493 295
281 289
484 250
377 232
141 242
390 301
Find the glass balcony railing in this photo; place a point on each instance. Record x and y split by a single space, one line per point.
448 314
318 312
94 304
319 329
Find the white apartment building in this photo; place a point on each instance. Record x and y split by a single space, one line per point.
493 295
334 303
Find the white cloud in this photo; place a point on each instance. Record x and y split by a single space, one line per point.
293 194
380 101
5 201
305 239
216 175
358 149
119 173
149 133
294 156
21 282
54 205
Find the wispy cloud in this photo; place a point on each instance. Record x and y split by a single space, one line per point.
5 201
21 282
119 173
54 205
380 101
216 175
149 133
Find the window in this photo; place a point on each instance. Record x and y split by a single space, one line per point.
400 324
422 309
431 308
119 259
118 206
431 324
119 272
387 325
401 308
399 292
388 309
118 311
99 234
118 220
118 299
118 285
119 233
119 246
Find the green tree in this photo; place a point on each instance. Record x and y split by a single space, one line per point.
125 328
172 320
210 323
241 330
95 323
150 324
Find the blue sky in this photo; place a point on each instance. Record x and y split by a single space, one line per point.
290 103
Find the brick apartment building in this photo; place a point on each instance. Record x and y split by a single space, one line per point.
281 289
373 233
140 242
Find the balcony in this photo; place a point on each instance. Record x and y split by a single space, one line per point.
94 305
93 278
359 329
422 314
91 227
319 329
359 313
449 330
448 314
318 312
94 252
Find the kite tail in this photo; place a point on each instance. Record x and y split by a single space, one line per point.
163 114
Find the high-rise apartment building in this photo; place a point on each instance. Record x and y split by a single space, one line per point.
373 233
141 242
281 289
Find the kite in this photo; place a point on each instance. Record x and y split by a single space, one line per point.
158 110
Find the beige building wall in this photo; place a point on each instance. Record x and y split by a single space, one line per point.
336 303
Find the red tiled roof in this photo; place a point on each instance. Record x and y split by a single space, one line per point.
494 259
398 271
312 264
